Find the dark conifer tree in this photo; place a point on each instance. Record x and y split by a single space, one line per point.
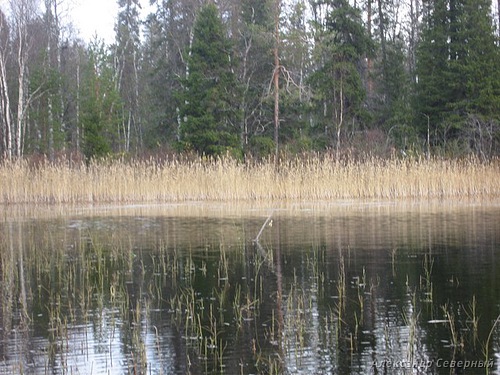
458 84
209 97
338 91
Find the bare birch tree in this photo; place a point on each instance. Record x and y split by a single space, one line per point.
23 12
5 113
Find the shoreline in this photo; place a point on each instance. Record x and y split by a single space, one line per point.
243 209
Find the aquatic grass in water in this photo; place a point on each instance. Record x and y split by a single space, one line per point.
302 178
161 296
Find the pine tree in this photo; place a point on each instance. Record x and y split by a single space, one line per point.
209 97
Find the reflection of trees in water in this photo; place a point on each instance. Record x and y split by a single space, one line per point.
15 313
117 293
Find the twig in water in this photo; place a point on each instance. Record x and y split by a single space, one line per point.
486 347
256 240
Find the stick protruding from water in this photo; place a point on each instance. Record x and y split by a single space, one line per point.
268 221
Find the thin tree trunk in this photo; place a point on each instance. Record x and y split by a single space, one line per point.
21 98
382 43
77 135
369 61
23 12
50 114
62 123
244 78
57 44
5 107
186 74
340 119
53 37
498 11
127 132
276 77
5 113
137 121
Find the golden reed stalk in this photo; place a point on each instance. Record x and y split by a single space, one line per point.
303 178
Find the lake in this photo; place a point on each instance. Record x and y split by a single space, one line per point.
340 288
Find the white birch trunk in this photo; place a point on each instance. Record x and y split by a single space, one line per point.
5 106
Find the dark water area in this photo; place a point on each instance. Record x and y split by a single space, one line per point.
366 288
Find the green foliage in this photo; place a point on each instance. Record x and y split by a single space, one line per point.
254 42
127 56
158 107
261 146
392 110
47 112
258 13
296 64
210 92
95 144
201 81
337 87
457 69
100 115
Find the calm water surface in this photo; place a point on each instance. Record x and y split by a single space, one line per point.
371 288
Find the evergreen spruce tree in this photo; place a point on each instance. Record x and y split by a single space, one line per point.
481 56
388 80
100 105
209 105
433 88
392 109
337 87
458 77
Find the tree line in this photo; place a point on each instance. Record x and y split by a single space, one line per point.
253 77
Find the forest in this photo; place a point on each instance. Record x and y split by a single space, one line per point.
253 78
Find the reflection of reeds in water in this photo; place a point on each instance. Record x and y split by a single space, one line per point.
312 178
411 320
341 290
487 344
74 293
452 324
426 279
112 290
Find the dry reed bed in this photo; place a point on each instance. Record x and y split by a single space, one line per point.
228 180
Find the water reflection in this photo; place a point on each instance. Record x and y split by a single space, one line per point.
380 289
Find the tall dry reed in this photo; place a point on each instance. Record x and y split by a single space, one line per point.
306 178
